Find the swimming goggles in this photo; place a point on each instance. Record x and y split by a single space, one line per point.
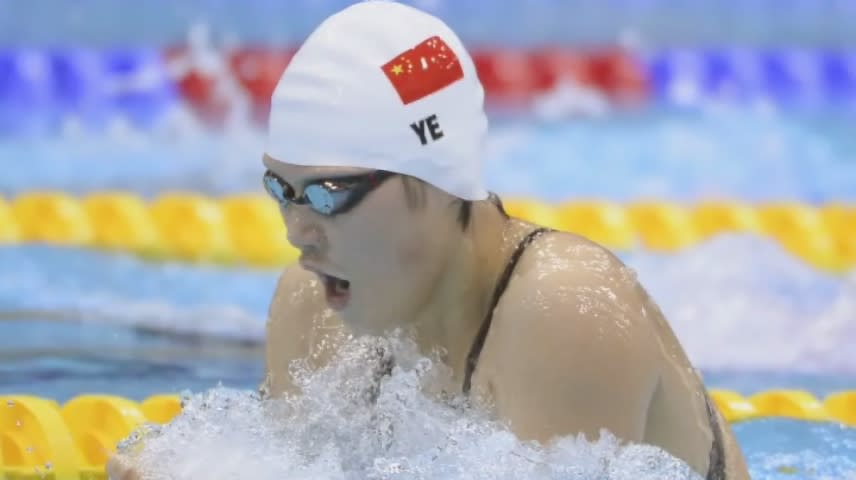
329 196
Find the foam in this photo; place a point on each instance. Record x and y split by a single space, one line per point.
333 432
742 302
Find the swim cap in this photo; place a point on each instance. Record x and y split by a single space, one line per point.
385 86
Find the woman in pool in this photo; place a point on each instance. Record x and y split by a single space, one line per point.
374 155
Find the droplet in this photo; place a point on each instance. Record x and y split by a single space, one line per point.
18 423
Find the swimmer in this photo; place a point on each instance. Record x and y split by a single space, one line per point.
374 155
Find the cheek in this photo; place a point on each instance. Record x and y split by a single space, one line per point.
385 237
370 238
412 250
427 242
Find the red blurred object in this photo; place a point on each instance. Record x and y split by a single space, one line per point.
556 65
516 76
197 86
257 70
618 74
194 87
511 77
508 76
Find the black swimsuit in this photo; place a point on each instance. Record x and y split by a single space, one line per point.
716 469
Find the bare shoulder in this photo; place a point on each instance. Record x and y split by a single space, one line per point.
573 258
299 326
570 349
566 271
581 299
577 290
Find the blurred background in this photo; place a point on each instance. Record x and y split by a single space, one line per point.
711 144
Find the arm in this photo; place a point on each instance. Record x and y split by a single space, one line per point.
577 354
298 321
299 326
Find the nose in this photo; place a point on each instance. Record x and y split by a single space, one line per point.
302 228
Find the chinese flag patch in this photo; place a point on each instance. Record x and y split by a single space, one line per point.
423 70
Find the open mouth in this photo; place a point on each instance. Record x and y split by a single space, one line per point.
337 291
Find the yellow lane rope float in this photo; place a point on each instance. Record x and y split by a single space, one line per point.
247 228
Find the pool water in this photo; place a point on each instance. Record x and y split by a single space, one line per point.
751 316
662 153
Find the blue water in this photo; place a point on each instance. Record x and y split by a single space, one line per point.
687 155
750 315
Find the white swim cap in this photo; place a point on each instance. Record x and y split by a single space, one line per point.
385 86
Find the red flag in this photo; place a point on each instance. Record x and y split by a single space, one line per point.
423 70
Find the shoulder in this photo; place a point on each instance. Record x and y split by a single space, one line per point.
571 349
567 269
571 258
570 289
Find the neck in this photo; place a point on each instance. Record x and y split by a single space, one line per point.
464 290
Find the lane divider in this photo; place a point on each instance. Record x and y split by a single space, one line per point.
248 228
41 439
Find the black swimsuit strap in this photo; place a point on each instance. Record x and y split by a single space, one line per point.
478 343
716 468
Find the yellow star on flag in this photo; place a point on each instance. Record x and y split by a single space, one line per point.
396 69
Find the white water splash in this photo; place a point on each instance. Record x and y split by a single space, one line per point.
742 302
332 431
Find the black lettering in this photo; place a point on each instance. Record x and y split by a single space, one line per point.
434 128
419 128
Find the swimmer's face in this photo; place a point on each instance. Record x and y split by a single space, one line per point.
379 258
